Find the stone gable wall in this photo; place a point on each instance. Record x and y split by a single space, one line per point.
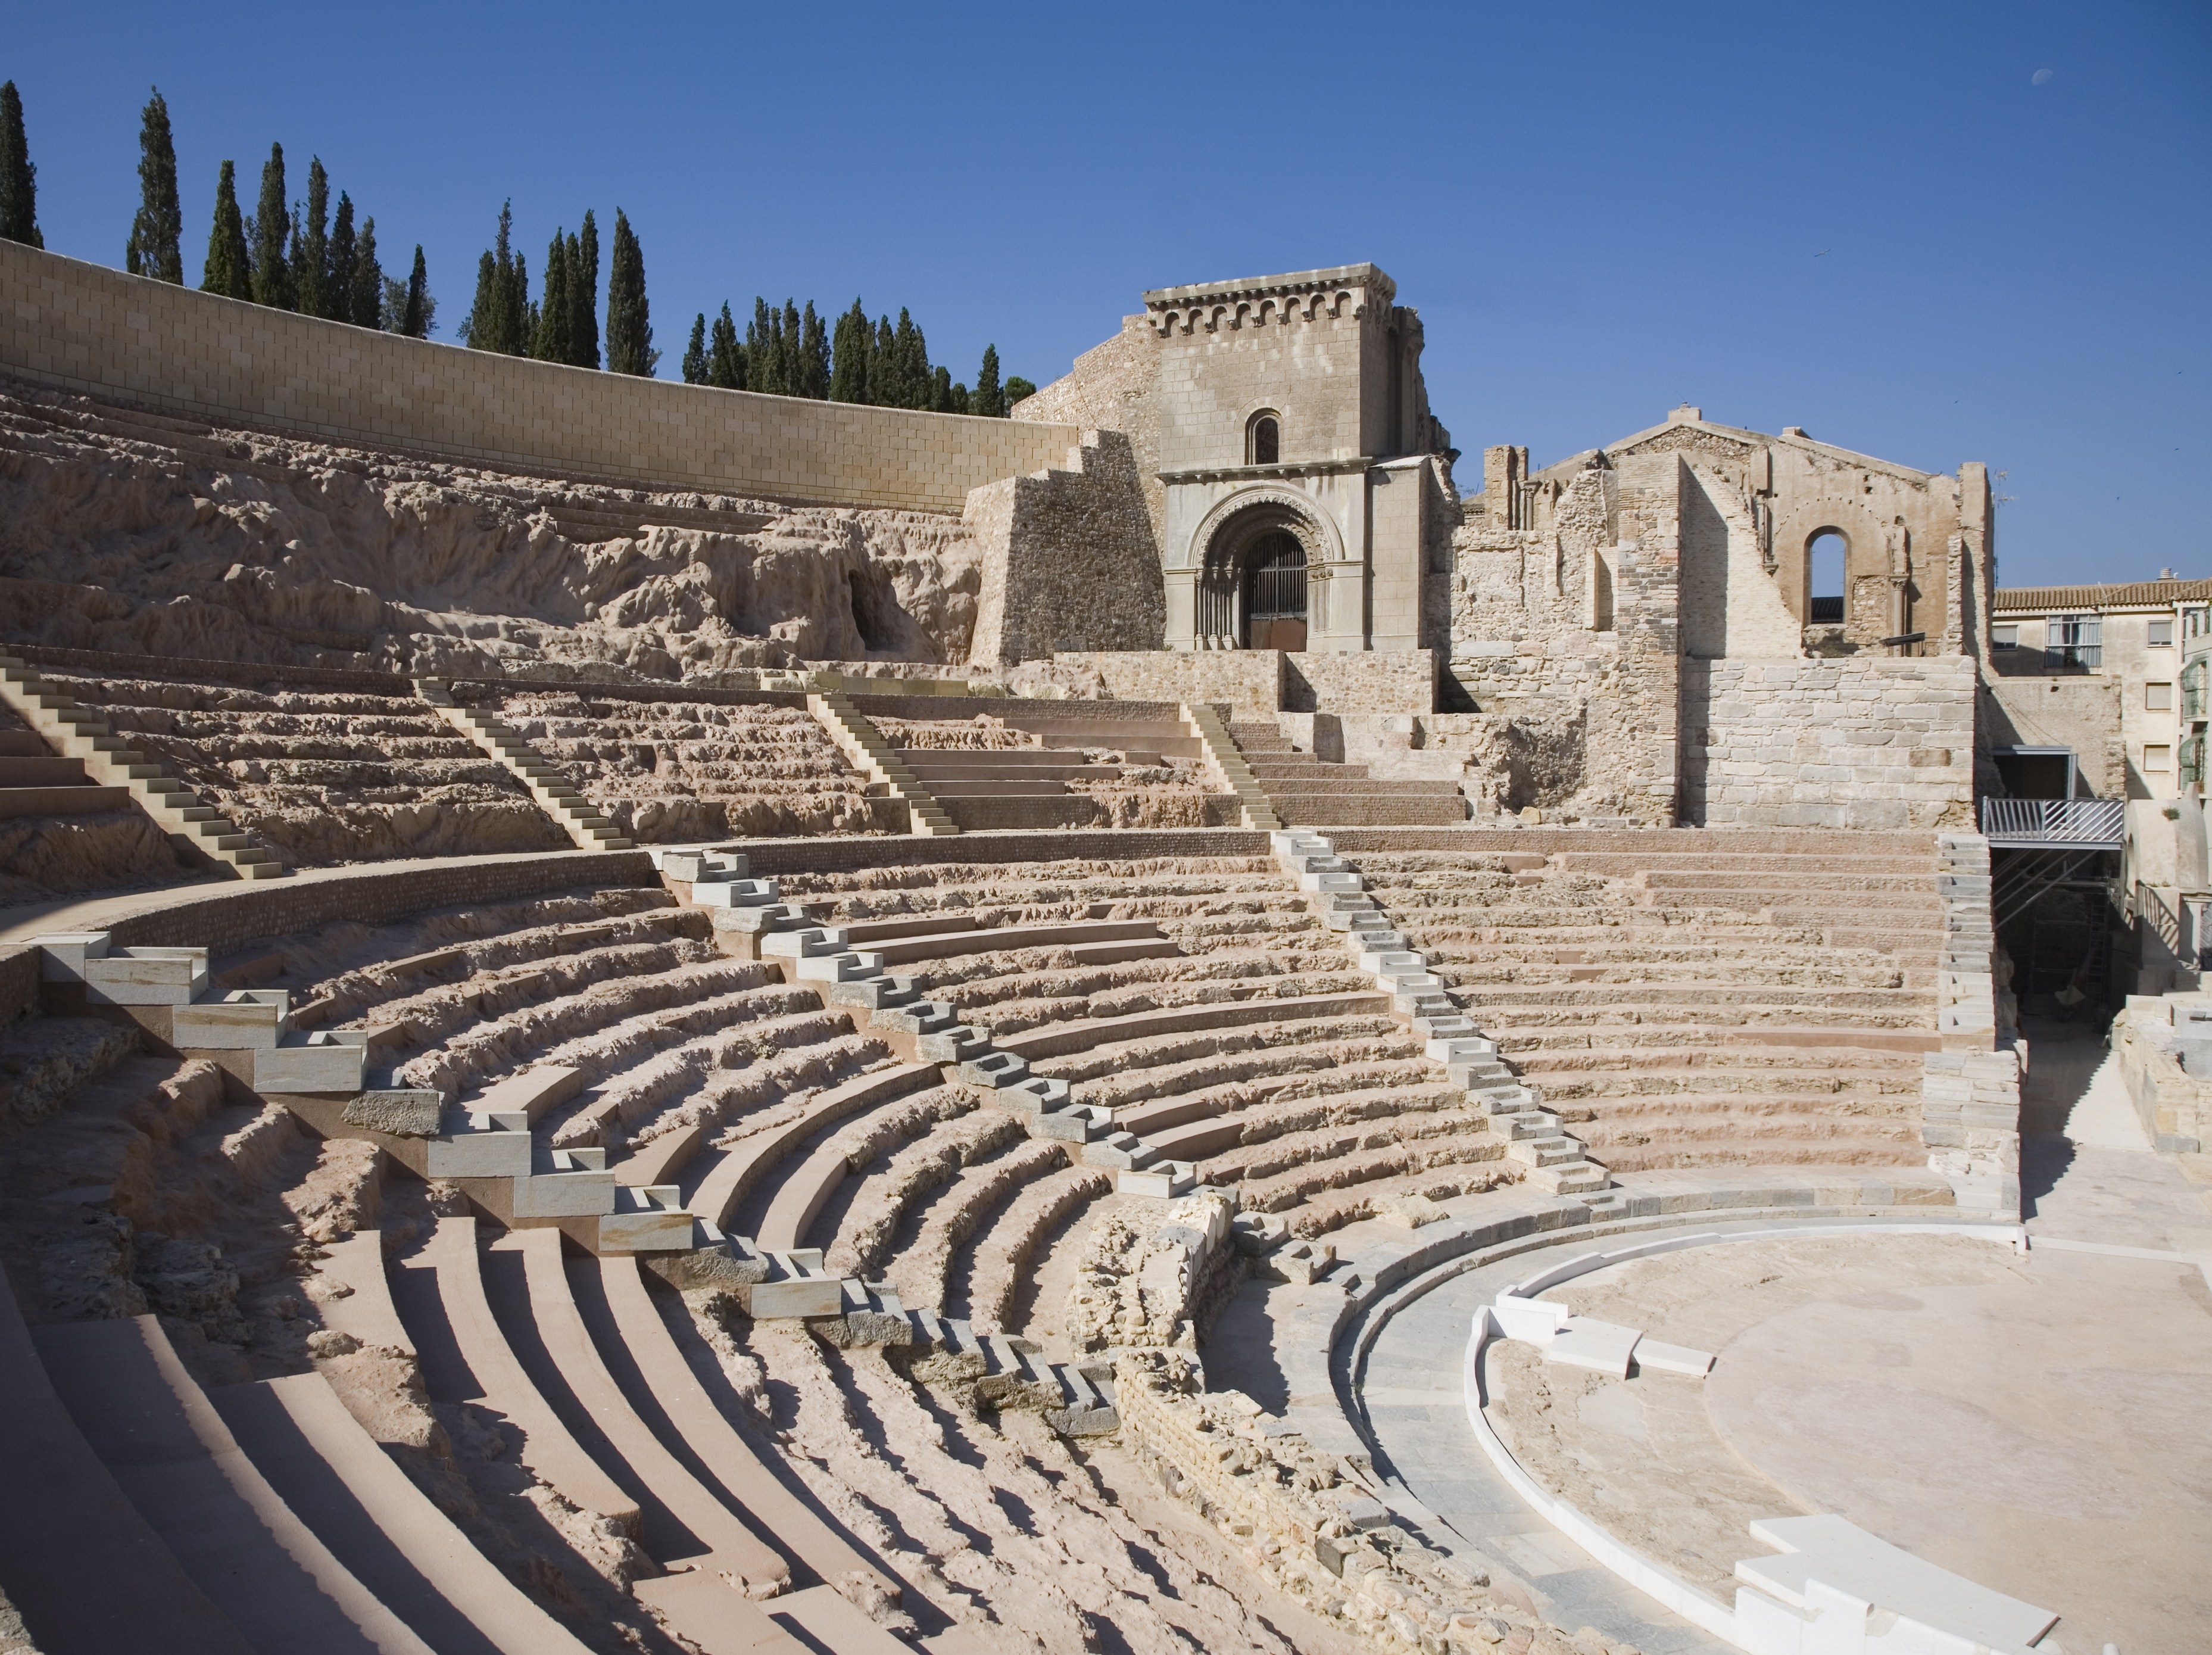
86 328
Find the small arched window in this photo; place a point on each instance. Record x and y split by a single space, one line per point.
1263 440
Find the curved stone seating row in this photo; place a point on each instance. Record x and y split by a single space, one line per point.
324 777
257 1517
673 772
1553 1159
1674 1012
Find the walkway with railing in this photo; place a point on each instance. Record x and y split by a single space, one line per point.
2055 824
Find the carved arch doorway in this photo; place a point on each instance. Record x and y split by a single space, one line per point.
1256 597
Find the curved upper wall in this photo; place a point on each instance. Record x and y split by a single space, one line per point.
97 330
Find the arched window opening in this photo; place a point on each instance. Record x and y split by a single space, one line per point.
1263 440
1824 587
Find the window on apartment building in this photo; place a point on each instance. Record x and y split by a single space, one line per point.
2076 640
2161 632
2004 637
2158 698
2158 756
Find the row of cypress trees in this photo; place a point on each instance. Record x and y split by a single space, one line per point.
563 325
789 353
303 257
289 256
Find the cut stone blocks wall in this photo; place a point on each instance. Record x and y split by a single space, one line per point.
1970 1091
2174 1107
1856 742
89 329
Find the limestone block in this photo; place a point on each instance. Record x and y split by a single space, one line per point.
247 1018
146 977
569 1192
321 1062
480 1154
63 953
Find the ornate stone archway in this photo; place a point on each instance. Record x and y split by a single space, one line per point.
1246 525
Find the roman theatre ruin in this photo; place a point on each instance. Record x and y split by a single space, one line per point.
643 1017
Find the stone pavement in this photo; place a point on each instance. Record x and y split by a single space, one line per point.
2030 1431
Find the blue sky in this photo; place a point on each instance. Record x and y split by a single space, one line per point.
1871 221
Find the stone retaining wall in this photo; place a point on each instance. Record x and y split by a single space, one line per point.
230 917
1265 681
86 328
769 857
1856 742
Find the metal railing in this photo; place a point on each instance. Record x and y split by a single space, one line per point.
2163 921
2079 824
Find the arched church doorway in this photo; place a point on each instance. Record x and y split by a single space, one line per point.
1275 593
1254 591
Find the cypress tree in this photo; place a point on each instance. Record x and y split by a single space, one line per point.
959 398
813 357
229 270
521 307
499 316
19 180
764 349
726 362
986 399
365 292
940 391
910 370
156 246
695 354
883 366
584 291
272 221
848 376
338 266
629 320
310 244
415 319
556 316
481 324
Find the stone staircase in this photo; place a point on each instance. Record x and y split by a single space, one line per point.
248 1032
863 745
555 794
1306 791
75 732
1229 765
1555 1158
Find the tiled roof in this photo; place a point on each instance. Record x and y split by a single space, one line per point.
2059 599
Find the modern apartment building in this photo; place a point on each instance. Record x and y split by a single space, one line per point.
2100 670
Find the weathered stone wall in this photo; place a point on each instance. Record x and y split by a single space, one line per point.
87 328
1264 681
1858 742
1249 680
1067 558
1109 388
1569 634
2174 1107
